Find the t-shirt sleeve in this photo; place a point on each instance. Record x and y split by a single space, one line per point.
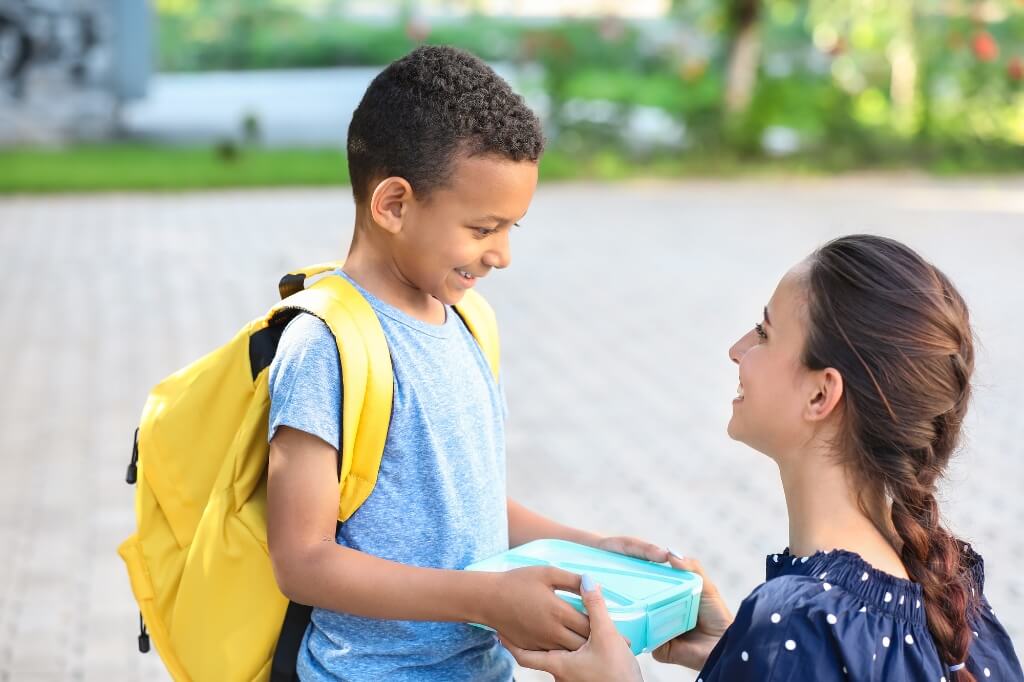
503 398
771 641
305 381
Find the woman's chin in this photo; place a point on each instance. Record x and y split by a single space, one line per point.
732 428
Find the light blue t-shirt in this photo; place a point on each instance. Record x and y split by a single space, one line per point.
439 500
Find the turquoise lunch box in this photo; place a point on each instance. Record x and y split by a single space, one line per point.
649 603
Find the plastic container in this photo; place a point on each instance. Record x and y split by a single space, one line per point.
649 603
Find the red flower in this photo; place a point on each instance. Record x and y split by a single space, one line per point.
1015 69
985 47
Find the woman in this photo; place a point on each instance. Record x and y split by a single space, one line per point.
856 383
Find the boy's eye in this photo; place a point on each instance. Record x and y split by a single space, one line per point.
484 231
761 333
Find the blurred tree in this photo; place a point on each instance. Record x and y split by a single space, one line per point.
742 24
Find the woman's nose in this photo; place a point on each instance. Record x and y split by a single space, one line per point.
740 348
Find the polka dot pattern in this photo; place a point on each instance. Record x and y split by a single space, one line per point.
839 613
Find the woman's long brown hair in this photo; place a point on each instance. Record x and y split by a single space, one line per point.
898 332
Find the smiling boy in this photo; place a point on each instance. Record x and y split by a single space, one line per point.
443 162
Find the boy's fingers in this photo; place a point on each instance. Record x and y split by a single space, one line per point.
636 548
570 641
575 621
548 661
563 580
646 550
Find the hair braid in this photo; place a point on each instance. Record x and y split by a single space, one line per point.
899 333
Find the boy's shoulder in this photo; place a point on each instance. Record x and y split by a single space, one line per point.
306 353
306 338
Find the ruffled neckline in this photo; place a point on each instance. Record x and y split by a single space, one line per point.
878 590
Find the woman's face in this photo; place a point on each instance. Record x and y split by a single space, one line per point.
768 413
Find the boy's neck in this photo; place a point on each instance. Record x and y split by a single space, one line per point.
373 269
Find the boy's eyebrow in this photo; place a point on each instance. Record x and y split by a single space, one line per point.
766 319
495 218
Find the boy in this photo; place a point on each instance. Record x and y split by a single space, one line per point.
443 161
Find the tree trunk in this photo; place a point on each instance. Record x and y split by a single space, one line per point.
744 55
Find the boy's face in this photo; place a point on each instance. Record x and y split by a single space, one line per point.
461 231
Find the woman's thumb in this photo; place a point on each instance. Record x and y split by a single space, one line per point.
593 600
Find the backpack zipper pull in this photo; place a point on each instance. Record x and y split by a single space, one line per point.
143 636
133 474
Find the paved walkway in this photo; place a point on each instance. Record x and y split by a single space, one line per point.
616 318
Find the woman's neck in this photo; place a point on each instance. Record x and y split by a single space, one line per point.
825 511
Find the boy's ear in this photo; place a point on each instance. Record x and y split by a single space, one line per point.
389 203
826 391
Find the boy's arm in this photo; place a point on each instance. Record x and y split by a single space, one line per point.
525 525
311 568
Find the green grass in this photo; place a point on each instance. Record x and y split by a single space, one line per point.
136 167
142 167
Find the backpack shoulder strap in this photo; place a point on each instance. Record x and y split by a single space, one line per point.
483 325
367 376
295 281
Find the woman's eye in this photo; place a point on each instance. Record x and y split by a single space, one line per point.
761 333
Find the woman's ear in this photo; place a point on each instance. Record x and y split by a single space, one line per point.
389 203
826 391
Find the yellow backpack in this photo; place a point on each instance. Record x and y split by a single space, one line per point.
198 563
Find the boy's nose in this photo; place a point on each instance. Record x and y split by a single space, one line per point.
499 256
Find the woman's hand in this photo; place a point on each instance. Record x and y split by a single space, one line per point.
605 657
691 649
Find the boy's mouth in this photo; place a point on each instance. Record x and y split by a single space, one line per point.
466 276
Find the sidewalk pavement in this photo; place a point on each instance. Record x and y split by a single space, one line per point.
616 317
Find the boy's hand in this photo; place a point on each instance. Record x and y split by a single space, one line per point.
634 547
528 614
604 658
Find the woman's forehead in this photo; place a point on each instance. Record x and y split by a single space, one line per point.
789 297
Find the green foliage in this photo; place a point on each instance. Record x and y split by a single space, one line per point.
834 72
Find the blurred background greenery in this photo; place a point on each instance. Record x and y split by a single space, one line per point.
678 87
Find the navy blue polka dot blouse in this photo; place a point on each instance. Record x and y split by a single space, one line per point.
831 616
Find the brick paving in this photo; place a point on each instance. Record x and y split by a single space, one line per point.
616 317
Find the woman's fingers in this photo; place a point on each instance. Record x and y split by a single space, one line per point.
601 624
663 653
686 564
693 566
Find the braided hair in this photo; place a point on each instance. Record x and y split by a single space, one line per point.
898 332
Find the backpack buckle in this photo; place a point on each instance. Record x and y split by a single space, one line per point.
132 476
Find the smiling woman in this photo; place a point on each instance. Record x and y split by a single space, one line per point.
855 384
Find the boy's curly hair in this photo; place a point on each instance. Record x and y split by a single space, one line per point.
428 106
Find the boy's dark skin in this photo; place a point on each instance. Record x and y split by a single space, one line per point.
420 252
